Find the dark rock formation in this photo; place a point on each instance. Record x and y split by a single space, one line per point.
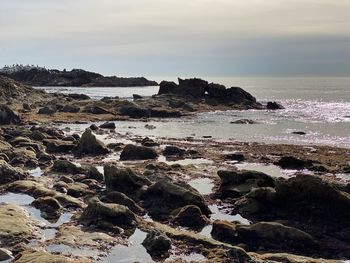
10 174
89 145
157 245
190 216
274 106
133 152
73 78
8 116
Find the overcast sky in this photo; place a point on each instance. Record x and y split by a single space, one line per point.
179 37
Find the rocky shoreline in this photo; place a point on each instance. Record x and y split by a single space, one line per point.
93 195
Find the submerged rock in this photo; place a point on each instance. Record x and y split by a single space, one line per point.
133 152
90 145
157 245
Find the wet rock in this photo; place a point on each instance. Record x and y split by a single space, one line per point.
264 236
168 87
38 135
108 125
299 133
190 216
137 97
290 258
42 257
15 225
94 127
123 180
290 162
133 152
93 173
107 215
76 96
150 127
147 142
122 199
164 113
157 245
95 110
58 146
274 106
48 110
234 157
89 145
134 111
238 183
5 254
8 116
244 121
78 189
65 166
50 208
164 196
70 109
174 151
9 173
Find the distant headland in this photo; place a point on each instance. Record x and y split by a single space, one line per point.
41 76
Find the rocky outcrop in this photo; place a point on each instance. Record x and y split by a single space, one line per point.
10 174
90 145
132 152
74 78
201 89
272 105
190 216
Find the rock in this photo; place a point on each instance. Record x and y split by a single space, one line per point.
299 133
134 111
147 142
94 127
48 110
78 189
58 146
122 199
104 215
265 236
49 206
244 121
89 145
150 127
108 125
64 166
5 254
164 113
274 106
42 257
16 226
173 151
290 258
290 162
76 96
137 97
164 196
238 183
123 179
10 174
168 87
190 216
234 157
95 110
157 245
70 109
133 152
93 173
8 116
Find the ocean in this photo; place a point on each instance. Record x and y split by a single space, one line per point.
320 107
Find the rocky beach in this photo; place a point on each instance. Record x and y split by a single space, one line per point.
73 188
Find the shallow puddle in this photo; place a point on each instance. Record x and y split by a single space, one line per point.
269 169
197 161
203 185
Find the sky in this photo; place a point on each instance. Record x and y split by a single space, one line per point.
179 37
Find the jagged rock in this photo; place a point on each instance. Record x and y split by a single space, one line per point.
167 87
122 199
8 116
49 206
108 125
5 254
133 152
264 235
190 216
137 97
157 245
103 215
164 196
89 145
123 180
9 173
238 183
274 106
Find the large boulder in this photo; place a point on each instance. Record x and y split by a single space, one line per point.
90 145
190 216
238 183
106 215
65 166
168 87
132 152
123 180
157 245
8 116
49 206
10 174
164 196
266 236
134 111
